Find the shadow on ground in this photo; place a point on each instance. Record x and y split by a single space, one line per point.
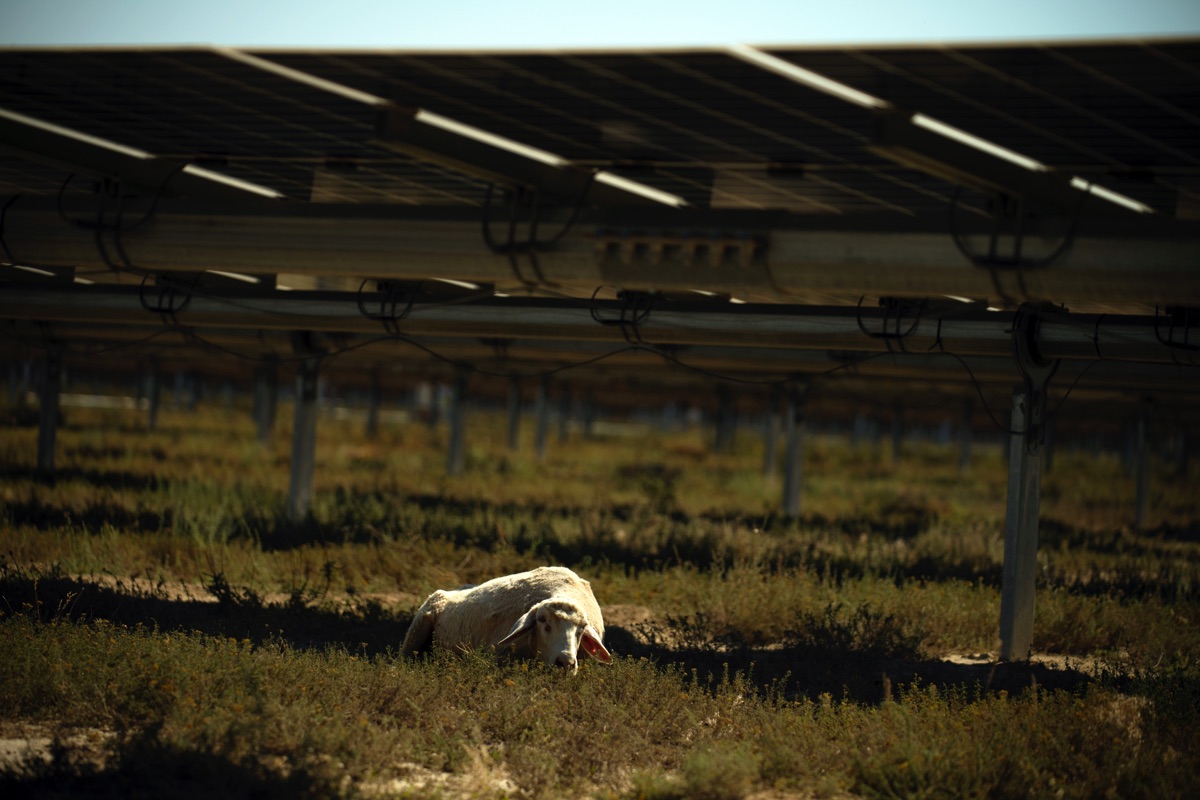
809 666
146 767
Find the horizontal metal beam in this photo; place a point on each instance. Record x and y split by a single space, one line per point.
965 330
754 368
827 260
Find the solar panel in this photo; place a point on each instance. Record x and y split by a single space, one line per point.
1004 173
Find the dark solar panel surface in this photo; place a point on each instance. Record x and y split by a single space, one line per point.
702 124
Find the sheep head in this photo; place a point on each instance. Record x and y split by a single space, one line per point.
557 631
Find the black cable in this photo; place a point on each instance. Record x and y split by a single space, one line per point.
979 390
889 304
635 309
1170 342
511 248
575 213
388 315
8 255
532 246
92 352
486 220
993 262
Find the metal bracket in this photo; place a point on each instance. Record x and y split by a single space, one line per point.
1180 326
499 347
1035 370
1011 216
739 249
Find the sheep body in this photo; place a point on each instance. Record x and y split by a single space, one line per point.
553 604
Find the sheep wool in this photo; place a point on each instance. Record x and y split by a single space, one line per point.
547 613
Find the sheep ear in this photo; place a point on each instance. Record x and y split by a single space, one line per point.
593 647
522 626
420 633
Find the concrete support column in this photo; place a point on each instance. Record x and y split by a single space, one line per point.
1021 525
48 411
304 440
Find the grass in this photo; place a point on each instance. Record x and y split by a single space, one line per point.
154 596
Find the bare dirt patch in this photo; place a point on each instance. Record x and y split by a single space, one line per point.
29 742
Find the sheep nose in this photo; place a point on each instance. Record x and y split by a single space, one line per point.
566 662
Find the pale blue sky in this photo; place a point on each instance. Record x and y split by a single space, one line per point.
565 23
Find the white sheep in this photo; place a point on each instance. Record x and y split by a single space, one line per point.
548 613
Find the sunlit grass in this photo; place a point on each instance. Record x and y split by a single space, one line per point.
153 587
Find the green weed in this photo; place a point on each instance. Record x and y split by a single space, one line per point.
153 589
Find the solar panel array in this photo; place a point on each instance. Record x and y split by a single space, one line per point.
705 125
737 140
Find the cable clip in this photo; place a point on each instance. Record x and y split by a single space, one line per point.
895 311
634 310
166 297
1036 371
390 303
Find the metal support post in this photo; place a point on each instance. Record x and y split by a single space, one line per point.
542 407
1141 457
726 421
589 416
966 433
304 440
860 429
1026 449
514 414
1185 452
374 400
48 411
266 397
771 436
456 459
564 414
1021 529
794 460
1049 447
897 433
153 393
